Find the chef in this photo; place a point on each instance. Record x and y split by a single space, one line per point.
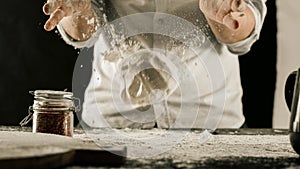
200 47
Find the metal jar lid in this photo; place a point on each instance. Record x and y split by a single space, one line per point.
51 101
46 105
51 94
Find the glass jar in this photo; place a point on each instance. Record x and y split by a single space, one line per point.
53 112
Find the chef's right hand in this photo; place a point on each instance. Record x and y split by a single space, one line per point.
59 9
224 12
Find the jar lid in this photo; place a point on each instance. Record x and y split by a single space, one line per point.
52 94
53 105
51 101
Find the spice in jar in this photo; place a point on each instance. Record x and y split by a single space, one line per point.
53 112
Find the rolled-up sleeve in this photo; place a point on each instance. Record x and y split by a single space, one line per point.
96 6
259 10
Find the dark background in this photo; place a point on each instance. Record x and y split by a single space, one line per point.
30 58
33 59
259 88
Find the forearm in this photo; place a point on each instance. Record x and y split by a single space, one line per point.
245 24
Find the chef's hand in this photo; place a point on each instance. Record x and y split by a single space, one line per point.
230 20
225 12
75 16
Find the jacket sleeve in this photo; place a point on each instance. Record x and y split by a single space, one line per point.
259 10
96 5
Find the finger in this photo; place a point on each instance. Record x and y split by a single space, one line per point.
223 10
81 5
230 21
54 19
210 7
51 6
203 5
238 5
218 4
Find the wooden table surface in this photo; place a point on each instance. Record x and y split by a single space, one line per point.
227 148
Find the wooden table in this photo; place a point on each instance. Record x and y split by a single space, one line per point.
228 148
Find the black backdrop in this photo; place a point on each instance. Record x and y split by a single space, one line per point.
30 58
259 88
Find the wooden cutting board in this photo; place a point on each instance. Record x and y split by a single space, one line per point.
44 151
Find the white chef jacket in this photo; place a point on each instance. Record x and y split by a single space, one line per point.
99 107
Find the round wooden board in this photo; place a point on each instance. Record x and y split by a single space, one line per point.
41 150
